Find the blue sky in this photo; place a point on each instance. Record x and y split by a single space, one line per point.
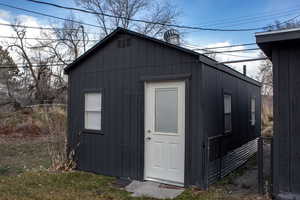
226 14
200 13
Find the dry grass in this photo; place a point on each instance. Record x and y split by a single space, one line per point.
81 185
21 155
267 121
36 166
54 121
38 124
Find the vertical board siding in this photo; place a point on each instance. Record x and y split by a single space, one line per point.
295 125
119 149
215 84
286 157
228 151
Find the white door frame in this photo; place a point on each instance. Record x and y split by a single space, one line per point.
149 125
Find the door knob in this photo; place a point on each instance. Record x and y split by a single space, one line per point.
149 131
148 138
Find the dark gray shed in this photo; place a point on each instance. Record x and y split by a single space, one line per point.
283 48
141 108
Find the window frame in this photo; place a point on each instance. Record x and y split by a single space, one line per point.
227 132
253 122
93 131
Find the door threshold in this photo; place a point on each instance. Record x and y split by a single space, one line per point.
167 182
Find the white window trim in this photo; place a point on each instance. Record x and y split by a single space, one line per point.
227 113
253 111
97 109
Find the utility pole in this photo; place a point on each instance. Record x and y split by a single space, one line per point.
83 36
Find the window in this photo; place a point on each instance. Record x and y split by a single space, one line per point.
252 111
227 113
92 111
166 114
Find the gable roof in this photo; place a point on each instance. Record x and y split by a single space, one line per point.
122 30
201 57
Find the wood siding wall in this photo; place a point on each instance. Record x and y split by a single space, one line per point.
117 69
286 66
215 84
119 151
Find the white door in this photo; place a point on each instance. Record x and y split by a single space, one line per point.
165 132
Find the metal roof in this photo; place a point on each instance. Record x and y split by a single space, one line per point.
266 40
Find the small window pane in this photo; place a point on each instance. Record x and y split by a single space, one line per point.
93 101
227 113
93 120
253 119
92 116
166 114
227 104
227 120
253 112
252 105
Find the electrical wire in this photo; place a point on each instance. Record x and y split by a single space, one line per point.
245 60
254 18
12 66
43 28
156 23
33 27
51 16
228 46
246 17
253 21
238 50
47 39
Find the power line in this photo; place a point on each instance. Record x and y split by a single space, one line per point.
41 28
239 50
150 22
239 56
51 16
38 27
47 39
12 66
32 27
226 20
254 18
245 60
228 46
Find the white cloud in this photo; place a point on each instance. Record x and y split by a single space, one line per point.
4 14
7 18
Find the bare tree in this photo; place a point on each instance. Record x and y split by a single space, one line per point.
160 13
265 69
265 75
280 26
69 41
8 82
41 77
65 44
36 67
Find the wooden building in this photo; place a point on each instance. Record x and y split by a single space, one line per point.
283 48
142 108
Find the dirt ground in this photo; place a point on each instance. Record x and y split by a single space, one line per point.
244 181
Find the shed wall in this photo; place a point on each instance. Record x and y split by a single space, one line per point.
117 70
215 84
286 174
119 150
228 151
